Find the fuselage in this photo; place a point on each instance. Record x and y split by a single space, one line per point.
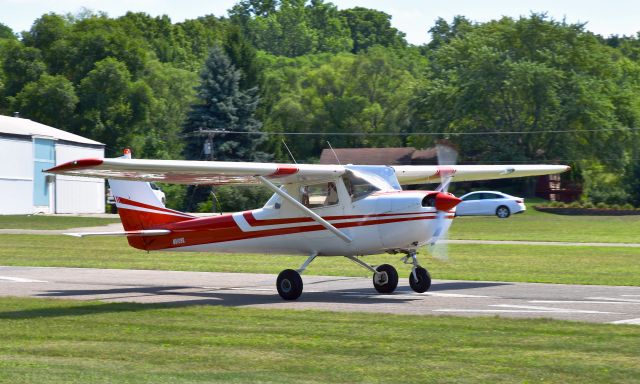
379 222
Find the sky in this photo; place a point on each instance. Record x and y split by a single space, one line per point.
413 17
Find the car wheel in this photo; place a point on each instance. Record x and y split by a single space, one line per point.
503 212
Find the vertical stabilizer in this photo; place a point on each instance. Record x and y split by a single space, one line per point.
139 207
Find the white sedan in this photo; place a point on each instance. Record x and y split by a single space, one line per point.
490 203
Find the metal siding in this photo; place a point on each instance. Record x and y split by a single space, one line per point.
78 194
16 177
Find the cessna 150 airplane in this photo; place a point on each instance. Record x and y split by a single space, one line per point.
316 210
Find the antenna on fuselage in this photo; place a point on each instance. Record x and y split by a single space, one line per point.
334 152
288 150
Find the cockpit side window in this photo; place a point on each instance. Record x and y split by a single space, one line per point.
357 186
319 195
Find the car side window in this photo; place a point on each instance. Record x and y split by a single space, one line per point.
491 196
319 195
475 196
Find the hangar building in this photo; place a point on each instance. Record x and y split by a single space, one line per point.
26 148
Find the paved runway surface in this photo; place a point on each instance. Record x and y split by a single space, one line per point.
601 304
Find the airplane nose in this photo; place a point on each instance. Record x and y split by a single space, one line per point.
446 201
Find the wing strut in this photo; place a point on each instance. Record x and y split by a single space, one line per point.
304 209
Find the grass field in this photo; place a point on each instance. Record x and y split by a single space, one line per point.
550 264
55 341
51 222
537 226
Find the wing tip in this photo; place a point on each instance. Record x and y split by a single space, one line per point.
76 164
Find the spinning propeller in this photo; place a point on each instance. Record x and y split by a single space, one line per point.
443 200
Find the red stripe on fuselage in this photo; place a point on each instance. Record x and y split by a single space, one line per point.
223 228
251 220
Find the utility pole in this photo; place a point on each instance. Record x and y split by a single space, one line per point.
207 147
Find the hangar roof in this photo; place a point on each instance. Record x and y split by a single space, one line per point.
25 127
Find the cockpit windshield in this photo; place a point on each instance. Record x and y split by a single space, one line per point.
382 177
362 180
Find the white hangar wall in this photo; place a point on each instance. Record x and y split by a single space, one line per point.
16 175
78 194
27 148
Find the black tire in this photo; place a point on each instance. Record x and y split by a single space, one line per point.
503 212
289 284
424 280
391 282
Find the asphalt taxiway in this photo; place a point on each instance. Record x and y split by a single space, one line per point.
590 303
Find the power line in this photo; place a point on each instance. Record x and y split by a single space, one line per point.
198 133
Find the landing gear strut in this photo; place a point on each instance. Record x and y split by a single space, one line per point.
385 276
419 278
289 282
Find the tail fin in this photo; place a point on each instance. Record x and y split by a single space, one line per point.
139 207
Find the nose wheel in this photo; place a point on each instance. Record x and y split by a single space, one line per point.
419 278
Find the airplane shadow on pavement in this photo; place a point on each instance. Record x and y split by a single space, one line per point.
131 299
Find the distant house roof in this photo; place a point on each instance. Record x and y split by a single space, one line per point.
24 127
379 156
425 156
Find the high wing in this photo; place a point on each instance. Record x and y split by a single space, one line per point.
198 172
239 173
425 174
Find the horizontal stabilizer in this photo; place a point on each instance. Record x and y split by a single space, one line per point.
141 233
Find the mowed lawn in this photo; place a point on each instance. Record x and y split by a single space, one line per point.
51 222
549 264
537 226
57 341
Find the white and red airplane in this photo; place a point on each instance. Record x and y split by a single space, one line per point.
316 210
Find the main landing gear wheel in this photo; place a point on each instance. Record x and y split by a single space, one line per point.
289 284
503 212
422 280
385 280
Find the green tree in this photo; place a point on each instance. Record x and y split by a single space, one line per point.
96 38
364 93
112 108
442 33
370 27
49 100
532 75
21 65
173 93
243 56
223 106
6 32
292 27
